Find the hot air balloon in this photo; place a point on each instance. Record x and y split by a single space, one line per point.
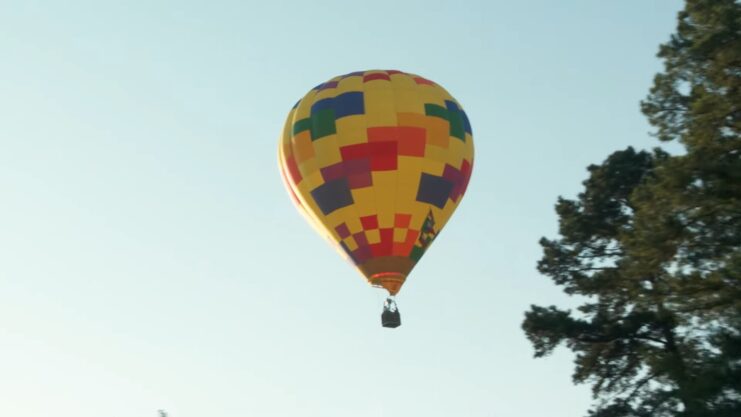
378 161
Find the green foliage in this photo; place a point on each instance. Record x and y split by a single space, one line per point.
696 98
653 243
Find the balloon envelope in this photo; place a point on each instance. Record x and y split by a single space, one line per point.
377 161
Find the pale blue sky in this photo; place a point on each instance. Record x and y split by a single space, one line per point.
150 257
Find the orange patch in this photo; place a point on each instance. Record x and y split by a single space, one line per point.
411 119
402 220
402 249
412 141
438 132
302 146
383 134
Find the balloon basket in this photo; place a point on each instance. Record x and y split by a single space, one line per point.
390 317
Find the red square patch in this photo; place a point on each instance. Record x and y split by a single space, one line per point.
402 220
369 222
383 156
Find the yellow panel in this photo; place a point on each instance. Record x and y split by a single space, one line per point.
385 201
365 200
469 147
406 194
384 185
308 167
433 167
405 206
443 94
419 214
456 153
373 236
436 154
327 152
384 179
353 222
429 95
350 84
351 130
386 219
409 168
400 235
402 81
379 110
326 93
351 243
407 101
312 181
446 212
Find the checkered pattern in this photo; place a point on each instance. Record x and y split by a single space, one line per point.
378 161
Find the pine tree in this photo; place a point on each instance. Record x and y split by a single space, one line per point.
653 243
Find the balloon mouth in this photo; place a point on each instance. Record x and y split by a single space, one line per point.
391 281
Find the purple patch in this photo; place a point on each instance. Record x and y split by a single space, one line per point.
457 178
360 239
342 230
358 172
328 85
354 74
333 172
362 254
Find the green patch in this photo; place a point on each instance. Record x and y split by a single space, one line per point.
417 253
301 125
456 125
436 111
322 124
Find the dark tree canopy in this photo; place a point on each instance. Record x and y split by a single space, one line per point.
653 243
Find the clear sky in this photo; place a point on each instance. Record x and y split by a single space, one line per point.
151 259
